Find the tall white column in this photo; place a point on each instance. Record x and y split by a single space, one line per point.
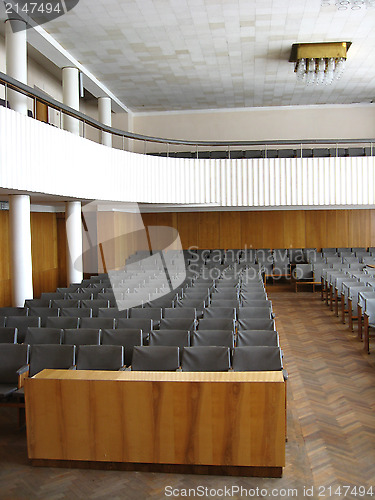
105 117
20 249
74 265
16 61
70 80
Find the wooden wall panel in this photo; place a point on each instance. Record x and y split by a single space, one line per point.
360 228
230 230
209 230
315 228
273 229
251 230
187 225
61 249
294 229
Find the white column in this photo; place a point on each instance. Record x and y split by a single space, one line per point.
16 61
20 249
74 265
105 117
70 80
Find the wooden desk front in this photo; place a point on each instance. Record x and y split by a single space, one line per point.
223 419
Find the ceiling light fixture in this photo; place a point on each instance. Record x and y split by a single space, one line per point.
349 4
319 63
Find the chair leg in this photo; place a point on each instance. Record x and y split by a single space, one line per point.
331 296
326 286
343 308
366 337
336 303
359 322
350 314
322 289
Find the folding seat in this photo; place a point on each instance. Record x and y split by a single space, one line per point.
22 323
13 357
126 338
296 256
43 313
146 325
212 338
356 266
52 296
329 250
257 338
177 338
217 324
281 255
51 356
180 312
112 312
97 323
13 311
350 259
155 358
37 303
43 336
258 303
220 312
100 357
351 295
310 254
67 290
109 296
256 324
94 305
216 303
94 292
8 335
358 249
257 358
248 296
76 312
64 303
80 295
179 323
147 313
82 336
205 359
62 323
255 312
303 272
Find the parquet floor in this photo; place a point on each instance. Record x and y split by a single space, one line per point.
331 425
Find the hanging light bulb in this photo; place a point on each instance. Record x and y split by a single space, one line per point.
301 69
340 65
320 75
330 70
310 72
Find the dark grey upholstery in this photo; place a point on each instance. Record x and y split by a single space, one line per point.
153 313
233 303
212 337
63 323
2 321
37 303
13 311
43 313
8 335
257 338
43 336
206 359
259 358
219 312
179 338
127 338
155 358
51 296
82 336
64 303
216 324
303 272
256 324
135 323
22 323
80 295
100 357
197 304
180 312
112 312
97 323
75 312
254 312
12 358
95 305
180 323
49 356
107 296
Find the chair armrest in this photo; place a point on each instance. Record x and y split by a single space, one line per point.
22 373
285 374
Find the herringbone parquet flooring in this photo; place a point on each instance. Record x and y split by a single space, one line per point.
331 424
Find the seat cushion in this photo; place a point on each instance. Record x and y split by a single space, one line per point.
6 390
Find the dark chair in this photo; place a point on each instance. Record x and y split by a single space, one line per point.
49 356
180 323
256 324
50 296
127 338
2 321
13 311
258 358
81 336
80 295
76 312
112 312
232 303
22 323
219 312
100 357
136 323
206 359
178 338
64 303
37 303
43 336
217 324
257 338
180 312
62 323
95 305
255 312
8 335
155 358
98 323
146 313
43 313
12 358
212 337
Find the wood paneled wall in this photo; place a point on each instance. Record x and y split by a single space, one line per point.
48 242
271 229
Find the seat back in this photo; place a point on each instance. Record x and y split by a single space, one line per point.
8 335
112 312
82 336
254 312
257 338
216 324
135 323
13 311
146 313
101 323
75 312
100 357
127 338
12 358
220 312
22 323
206 359
155 358
178 338
94 305
258 358
43 336
256 324
63 323
212 337
180 323
180 312
43 313
48 356
64 303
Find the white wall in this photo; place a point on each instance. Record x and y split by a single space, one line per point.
261 124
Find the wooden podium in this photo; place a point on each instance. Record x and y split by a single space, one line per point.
233 422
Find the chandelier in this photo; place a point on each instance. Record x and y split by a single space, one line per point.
319 63
349 4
